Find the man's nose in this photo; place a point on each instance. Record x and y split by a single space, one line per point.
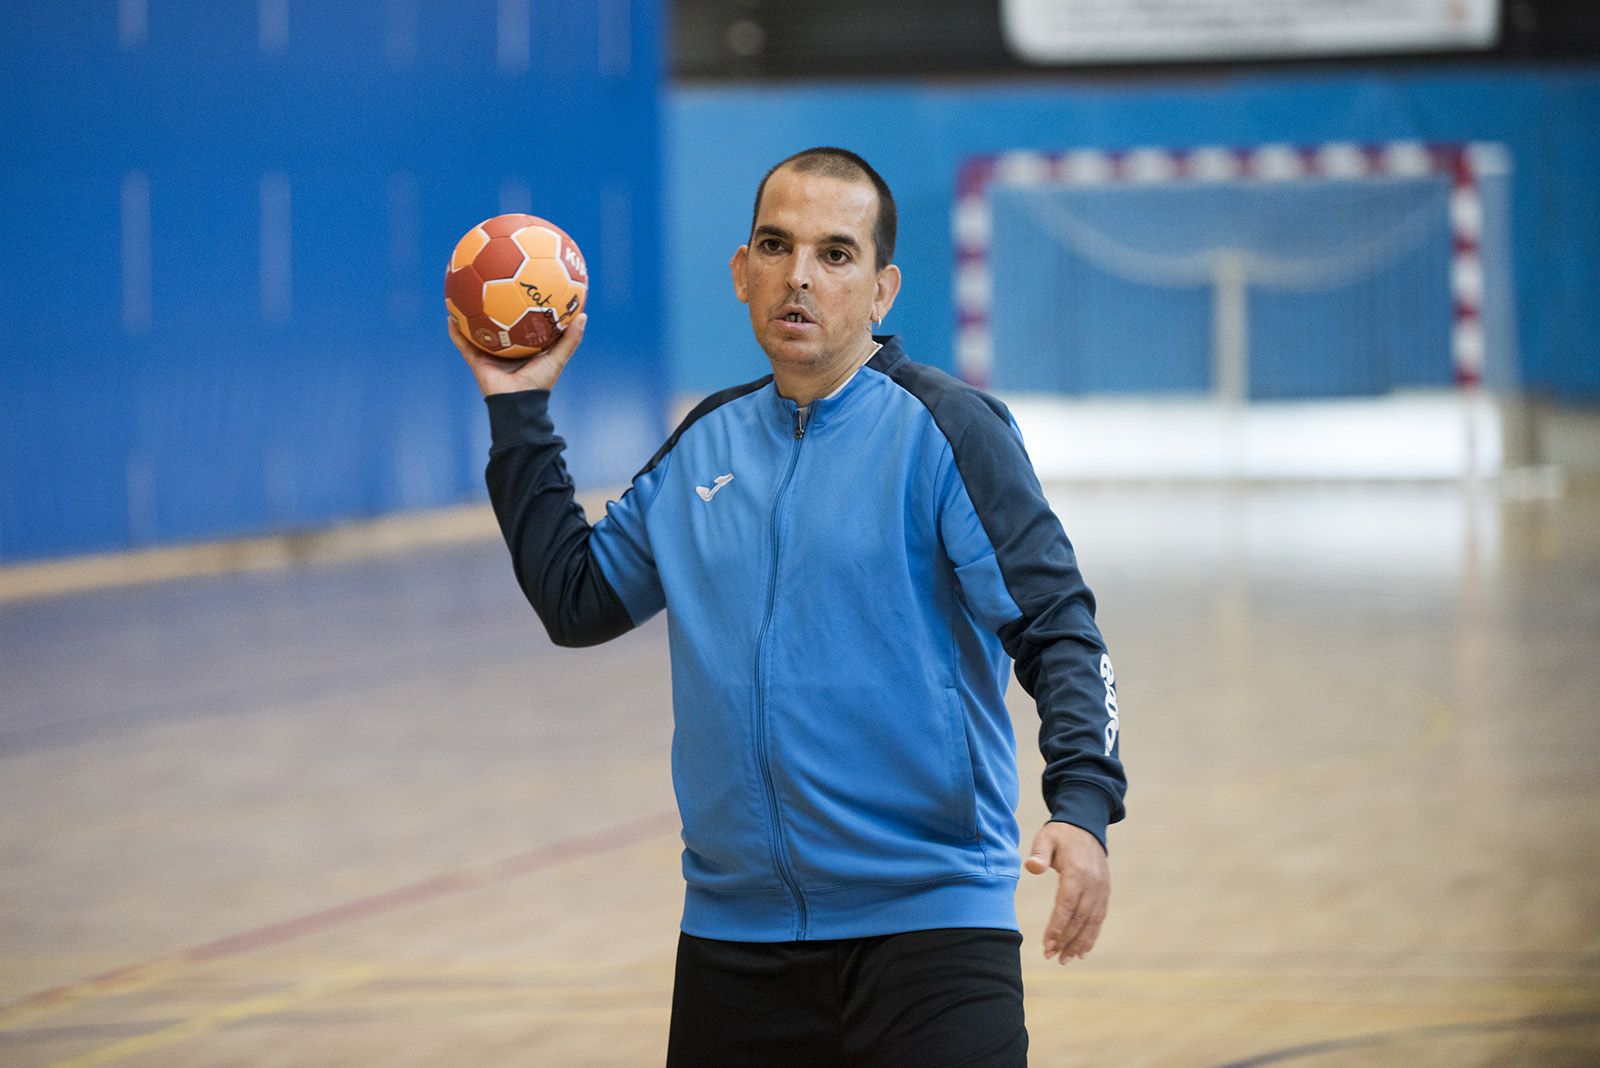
800 272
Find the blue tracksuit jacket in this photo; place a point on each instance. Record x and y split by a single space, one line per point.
845 599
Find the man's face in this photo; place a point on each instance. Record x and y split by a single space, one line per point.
808 272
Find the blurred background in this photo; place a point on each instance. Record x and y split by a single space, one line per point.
1296 304
225 224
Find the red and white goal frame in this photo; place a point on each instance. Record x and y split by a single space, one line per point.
1464 163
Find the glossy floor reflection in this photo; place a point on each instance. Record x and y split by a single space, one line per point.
363 813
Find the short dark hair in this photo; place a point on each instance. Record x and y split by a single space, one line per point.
844 164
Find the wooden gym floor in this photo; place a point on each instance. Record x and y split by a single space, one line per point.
361 813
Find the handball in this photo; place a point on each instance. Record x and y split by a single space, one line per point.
514 284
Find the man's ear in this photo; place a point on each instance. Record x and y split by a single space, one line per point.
888 288
737 265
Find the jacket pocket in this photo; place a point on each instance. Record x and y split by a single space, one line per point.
727 834
878 787
958 747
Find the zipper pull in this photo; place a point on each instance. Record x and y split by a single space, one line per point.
799 425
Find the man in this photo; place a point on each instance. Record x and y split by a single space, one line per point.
849 548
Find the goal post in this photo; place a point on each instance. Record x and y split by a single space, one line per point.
1235 278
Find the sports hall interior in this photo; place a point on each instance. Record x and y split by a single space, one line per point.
1298 326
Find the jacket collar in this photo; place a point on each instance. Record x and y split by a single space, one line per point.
889 355
824 408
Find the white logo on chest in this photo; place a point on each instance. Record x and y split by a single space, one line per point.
708 492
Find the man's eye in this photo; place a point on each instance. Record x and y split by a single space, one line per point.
770 245
838 255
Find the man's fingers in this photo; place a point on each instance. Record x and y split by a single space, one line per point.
1068 896
559 353
554 359
503 374
1081 911
464 346
475 356
1038 861
563 348
1090 933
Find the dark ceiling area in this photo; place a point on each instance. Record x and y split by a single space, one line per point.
744 40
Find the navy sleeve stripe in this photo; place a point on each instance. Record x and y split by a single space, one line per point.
959 411
1059 654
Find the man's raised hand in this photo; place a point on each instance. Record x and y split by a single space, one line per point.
497 374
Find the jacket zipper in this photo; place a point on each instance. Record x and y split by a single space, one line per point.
780 847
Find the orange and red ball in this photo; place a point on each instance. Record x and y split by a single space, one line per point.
514 284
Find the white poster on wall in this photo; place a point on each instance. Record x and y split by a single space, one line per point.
1116 31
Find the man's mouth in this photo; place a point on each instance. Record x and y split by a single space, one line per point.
789 313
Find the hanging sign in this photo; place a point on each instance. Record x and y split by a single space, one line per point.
1120 31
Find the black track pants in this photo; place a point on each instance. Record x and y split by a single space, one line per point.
925 998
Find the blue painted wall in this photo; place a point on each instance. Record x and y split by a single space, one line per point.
210 418
722 140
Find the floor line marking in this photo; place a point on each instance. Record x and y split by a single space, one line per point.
1540 1021
540 857
221 1017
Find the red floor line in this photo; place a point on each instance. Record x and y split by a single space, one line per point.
539 857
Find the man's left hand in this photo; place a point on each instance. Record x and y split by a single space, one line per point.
1084 890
